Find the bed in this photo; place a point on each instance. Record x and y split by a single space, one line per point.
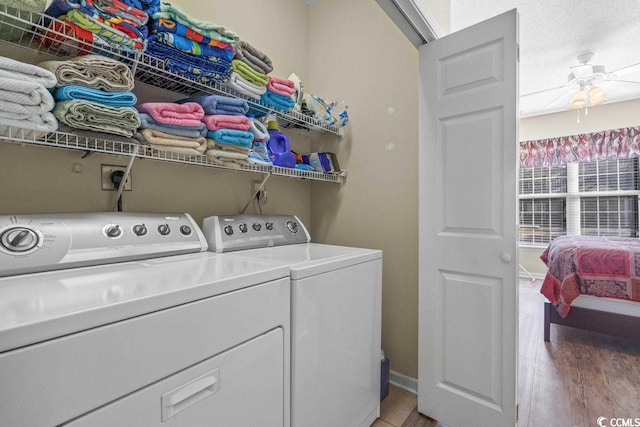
593 283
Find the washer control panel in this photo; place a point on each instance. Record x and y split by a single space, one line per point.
43 242
241 232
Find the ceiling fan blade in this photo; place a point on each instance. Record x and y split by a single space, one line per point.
546 101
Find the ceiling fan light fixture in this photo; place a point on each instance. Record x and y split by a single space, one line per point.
596 95
578 101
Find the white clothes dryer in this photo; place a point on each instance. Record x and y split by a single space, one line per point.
177 337
335 315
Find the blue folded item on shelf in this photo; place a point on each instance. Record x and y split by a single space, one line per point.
219 104
278 101
149 6
148 122
111 99
240 138
194 48
191 66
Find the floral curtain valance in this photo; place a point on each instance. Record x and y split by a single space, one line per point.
611 144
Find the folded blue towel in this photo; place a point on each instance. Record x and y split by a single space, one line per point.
281 102
218 104
111 99
149 6
148 122
231 136
191 66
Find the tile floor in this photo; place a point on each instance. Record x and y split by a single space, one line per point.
396 407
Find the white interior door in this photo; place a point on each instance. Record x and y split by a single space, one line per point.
468 225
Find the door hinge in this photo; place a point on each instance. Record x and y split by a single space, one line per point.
518 52
517 412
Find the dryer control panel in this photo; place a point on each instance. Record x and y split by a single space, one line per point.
44 242
241 232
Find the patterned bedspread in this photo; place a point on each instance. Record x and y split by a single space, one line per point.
600 266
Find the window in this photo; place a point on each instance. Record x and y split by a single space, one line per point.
594 198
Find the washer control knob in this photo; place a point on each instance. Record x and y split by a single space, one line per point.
269 226
19 239
243 228
139 229
228 230
164 229
185 230
292 226
113 231
257 226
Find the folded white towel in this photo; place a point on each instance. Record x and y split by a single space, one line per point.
33 127
23 97
12 69
244 86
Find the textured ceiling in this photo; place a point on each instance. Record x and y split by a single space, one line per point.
554 32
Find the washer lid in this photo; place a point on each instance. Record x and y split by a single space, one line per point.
40 306
309 259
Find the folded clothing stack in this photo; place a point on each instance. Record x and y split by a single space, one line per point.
94 93
119 23
25 100
173 127
196 49
250 67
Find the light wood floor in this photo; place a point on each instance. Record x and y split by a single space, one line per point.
571 381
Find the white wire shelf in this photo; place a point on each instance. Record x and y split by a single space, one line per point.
33 30
107 146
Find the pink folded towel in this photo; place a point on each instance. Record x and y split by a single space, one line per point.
281 86
221 121
169 113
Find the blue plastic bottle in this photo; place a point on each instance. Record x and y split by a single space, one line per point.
279 149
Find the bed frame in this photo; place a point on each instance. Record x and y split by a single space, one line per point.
606 322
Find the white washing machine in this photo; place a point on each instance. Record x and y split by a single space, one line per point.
177 337
335 315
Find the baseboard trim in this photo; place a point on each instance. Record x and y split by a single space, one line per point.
403 381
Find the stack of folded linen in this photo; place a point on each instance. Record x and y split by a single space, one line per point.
228 136
119 23
196 49
25 100
172 127
250 67
94 93
279 93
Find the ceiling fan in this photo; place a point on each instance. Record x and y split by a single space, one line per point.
588 85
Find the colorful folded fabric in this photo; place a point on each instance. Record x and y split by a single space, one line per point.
284 87
104 31
194 48
66 37
94 71
244 86
253 57
171 113
194 67
249 73
23 98
112 99
148 122
168 142
97 117
165 25
231 136
218 104
122 10
283 103
208 29
17 70
223 121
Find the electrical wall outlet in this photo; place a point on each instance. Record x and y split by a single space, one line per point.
255 186
107 184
